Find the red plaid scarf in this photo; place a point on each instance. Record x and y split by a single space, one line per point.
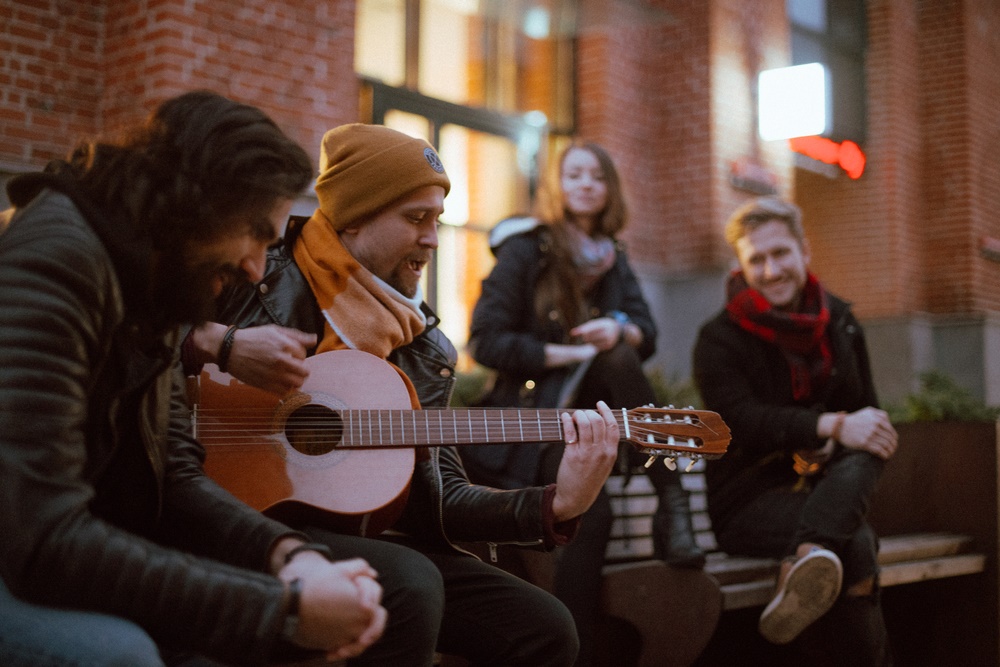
800 335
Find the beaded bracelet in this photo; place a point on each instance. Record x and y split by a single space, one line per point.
226 348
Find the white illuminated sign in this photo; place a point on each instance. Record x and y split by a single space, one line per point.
792 102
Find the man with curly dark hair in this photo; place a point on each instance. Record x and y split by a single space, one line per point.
117 549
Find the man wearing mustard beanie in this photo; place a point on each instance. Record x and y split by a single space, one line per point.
348 278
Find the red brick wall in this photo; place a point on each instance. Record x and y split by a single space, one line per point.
79 67
946 159
746 39
642 91
982 33
50 77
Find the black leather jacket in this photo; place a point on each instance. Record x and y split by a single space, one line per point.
443 506
103 499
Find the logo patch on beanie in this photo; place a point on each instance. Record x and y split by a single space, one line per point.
433 160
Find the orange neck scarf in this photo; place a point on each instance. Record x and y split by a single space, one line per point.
362 312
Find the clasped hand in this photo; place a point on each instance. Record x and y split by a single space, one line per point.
870 430
340 609
602 332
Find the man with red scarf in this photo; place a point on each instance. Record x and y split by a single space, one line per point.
786 365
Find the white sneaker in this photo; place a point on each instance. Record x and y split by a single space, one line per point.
810 589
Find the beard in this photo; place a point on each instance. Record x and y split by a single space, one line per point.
182 292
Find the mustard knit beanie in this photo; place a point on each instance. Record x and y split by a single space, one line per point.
364 168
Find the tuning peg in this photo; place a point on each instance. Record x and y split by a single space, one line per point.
690 466
670 462
649 461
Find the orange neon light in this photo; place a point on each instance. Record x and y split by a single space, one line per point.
847 154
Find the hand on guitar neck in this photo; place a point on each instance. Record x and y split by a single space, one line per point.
591 449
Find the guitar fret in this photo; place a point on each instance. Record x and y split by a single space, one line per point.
454 426
503 428
414 413
486 425
441 424
520 424
392 439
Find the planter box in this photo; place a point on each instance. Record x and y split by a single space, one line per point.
944 477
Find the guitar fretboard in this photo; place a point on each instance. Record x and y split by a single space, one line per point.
364 429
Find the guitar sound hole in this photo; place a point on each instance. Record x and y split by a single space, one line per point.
314 430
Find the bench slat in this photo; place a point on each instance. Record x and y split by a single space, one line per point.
757 592
918 546
931 568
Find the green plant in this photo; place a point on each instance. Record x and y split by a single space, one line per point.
671 391
470 386
940 398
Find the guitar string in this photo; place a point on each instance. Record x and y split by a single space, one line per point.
449 421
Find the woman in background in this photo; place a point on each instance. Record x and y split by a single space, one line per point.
562 320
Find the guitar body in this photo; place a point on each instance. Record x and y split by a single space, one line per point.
280 456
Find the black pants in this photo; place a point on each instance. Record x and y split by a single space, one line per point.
616 377
454 603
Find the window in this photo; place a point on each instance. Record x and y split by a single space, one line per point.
487 82
511 56
833 32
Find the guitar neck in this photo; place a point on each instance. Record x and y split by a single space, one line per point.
368 429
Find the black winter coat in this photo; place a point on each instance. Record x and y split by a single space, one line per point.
443 507
101 486
507 336
748 382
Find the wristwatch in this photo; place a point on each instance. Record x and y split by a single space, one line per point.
291 624
622 319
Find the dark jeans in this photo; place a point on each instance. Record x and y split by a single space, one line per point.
830 513
33 636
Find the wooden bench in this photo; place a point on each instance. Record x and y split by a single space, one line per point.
741 583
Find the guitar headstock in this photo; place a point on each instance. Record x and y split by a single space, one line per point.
673 432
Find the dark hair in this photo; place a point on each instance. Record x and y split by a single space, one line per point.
198 162
558 287
758 211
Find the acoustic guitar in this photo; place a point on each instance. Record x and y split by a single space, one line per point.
342 449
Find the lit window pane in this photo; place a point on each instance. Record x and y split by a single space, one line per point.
792 101
380 40
485 186
446 31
